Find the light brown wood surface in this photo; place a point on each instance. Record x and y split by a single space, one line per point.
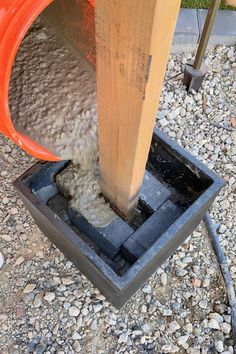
133 40
230 2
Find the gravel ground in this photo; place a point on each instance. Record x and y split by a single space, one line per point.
48 306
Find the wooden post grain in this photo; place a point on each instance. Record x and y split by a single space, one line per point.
133 40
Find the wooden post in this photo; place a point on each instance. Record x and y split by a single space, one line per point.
230 2
133 40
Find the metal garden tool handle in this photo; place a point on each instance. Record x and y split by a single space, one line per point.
211 15
195 72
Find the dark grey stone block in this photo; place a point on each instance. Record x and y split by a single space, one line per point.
153 194
150 231
109 239
224 28
132 250
187 30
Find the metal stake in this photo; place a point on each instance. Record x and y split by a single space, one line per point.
195 72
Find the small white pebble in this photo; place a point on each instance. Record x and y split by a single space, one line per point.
49 296
1 260
29 288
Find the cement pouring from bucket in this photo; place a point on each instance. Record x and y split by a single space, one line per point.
195 72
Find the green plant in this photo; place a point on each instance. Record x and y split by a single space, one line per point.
201 4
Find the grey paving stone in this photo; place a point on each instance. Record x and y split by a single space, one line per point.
150 231
187 30
153 194
224 28
109 239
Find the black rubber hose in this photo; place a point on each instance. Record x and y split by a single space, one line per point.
225 272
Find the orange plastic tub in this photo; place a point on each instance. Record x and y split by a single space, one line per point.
16 16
